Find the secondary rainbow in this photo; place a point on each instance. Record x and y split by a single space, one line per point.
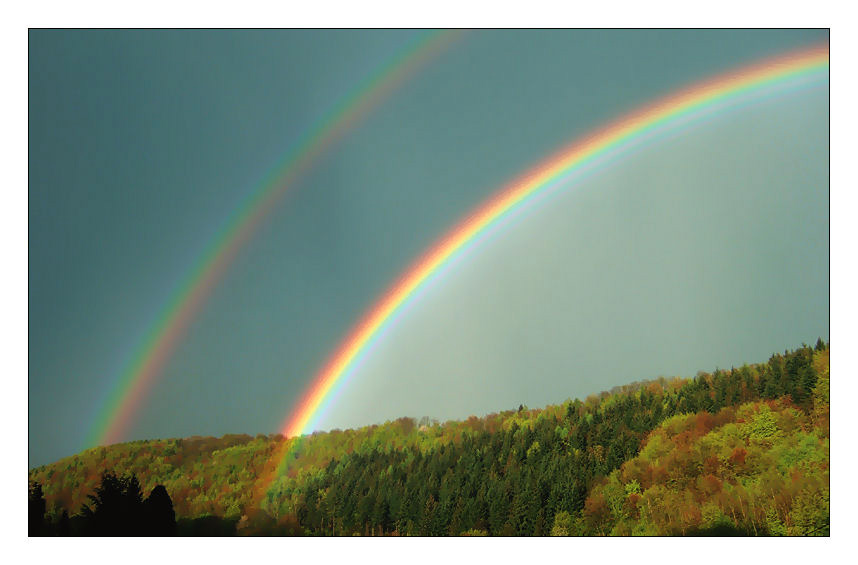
149 358
682 107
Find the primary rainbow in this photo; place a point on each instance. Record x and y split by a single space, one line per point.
687 105
149 358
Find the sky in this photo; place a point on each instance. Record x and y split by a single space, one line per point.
705 249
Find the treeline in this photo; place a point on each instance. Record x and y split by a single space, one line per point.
116 508
209 476
533 476
520 472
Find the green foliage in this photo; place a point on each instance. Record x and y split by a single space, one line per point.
562 524
759 468
763 424
738 451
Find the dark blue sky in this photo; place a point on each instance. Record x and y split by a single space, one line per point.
142 144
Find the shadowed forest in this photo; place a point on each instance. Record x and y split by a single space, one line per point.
743 451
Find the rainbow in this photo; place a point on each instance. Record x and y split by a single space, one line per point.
138 376
687 105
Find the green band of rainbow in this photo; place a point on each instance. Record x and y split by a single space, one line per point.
150 356
687 105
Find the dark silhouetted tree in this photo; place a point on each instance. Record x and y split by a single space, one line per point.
116 507
37 507
159 513
63 526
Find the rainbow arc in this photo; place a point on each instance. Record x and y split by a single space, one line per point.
685 107
147 362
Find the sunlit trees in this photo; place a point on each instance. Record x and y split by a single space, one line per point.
675 456
760 468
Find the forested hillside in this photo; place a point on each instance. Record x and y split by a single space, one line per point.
739 451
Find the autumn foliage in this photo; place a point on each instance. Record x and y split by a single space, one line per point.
741 451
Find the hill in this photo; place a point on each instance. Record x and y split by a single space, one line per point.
738 451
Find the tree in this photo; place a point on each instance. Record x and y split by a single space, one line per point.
426 522
381 512
562 524
159 513
116 508
36 514
807 380
63 527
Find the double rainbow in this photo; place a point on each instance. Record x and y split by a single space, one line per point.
686 106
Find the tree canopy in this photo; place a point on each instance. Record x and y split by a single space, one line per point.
738 451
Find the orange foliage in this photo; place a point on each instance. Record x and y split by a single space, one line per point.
703 423
711 465
596 511
710 484
737 458
632 505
